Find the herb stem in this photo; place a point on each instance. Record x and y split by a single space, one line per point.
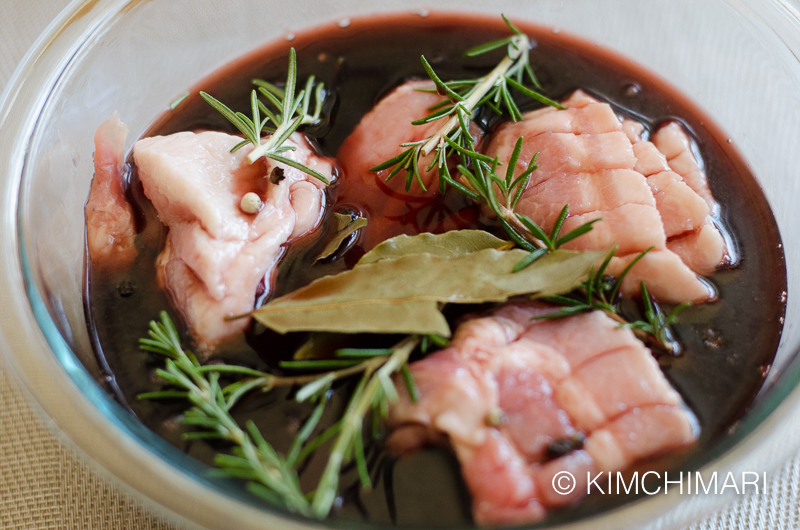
511 218
266 147
351 424
211 409
365 366
475 97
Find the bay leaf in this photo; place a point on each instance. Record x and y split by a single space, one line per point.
402 295
385 316
450 244
345 226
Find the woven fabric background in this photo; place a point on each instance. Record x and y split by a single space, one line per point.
45 485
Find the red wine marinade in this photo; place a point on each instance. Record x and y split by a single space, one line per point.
728 344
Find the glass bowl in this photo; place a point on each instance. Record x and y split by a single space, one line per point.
738 59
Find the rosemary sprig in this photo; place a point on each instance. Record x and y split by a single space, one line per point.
465 98
553 241
600 292
289 111
657 323
493 89
374 392
501 195
268 473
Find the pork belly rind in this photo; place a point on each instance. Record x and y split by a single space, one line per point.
508 387
599 164
216 256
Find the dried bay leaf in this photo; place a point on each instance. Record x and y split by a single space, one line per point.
342 220
402 295
345 226
450 244
384 316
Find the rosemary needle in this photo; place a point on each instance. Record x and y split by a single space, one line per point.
269 474
600 292
253 458
371 391
289 111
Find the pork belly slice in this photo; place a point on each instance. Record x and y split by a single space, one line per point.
682 209
592 118
649 160
595 169
110 223
703 250
562 154
502 487
585 193
378 136
635 131
687 216
509 386
216 255
391 209
632 227
635 435
666 275
673 141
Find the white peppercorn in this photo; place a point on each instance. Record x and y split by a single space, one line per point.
251 203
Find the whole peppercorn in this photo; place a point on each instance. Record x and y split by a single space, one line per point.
251 203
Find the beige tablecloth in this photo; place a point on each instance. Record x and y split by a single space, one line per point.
45 485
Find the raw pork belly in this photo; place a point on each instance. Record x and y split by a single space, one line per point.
703 249
110 225
683 198
216 256
378 138
509 388
587 160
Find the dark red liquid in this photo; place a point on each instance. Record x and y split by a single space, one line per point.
728 345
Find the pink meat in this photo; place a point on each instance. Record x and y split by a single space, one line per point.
681 209
563 153
588 161
503 489
377 138
675 281
634 131
676 146
616 227
374 142
686 206
585 193
216 255
509 386
581 117
649 160
702 250
110 224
